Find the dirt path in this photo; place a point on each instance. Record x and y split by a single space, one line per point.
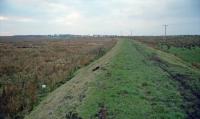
62 102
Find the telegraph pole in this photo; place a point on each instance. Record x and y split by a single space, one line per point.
165 27
131 33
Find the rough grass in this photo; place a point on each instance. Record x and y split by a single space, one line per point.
27 64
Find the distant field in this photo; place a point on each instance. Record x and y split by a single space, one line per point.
185 47
28 62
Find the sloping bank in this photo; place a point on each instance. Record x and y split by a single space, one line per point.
132 81
63 102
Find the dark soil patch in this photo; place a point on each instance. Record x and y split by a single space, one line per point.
96 68
72 115
197 65
158 61
191 95
102 113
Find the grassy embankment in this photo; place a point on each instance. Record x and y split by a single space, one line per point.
142 83
132 81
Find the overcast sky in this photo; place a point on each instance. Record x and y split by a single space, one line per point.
142 17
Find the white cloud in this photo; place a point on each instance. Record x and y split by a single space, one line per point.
3 18
55 7
24 19
16 19
69 19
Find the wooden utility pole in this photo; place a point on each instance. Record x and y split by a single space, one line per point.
165 27
131 33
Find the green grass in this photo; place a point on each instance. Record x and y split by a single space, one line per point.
132 87
190 55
